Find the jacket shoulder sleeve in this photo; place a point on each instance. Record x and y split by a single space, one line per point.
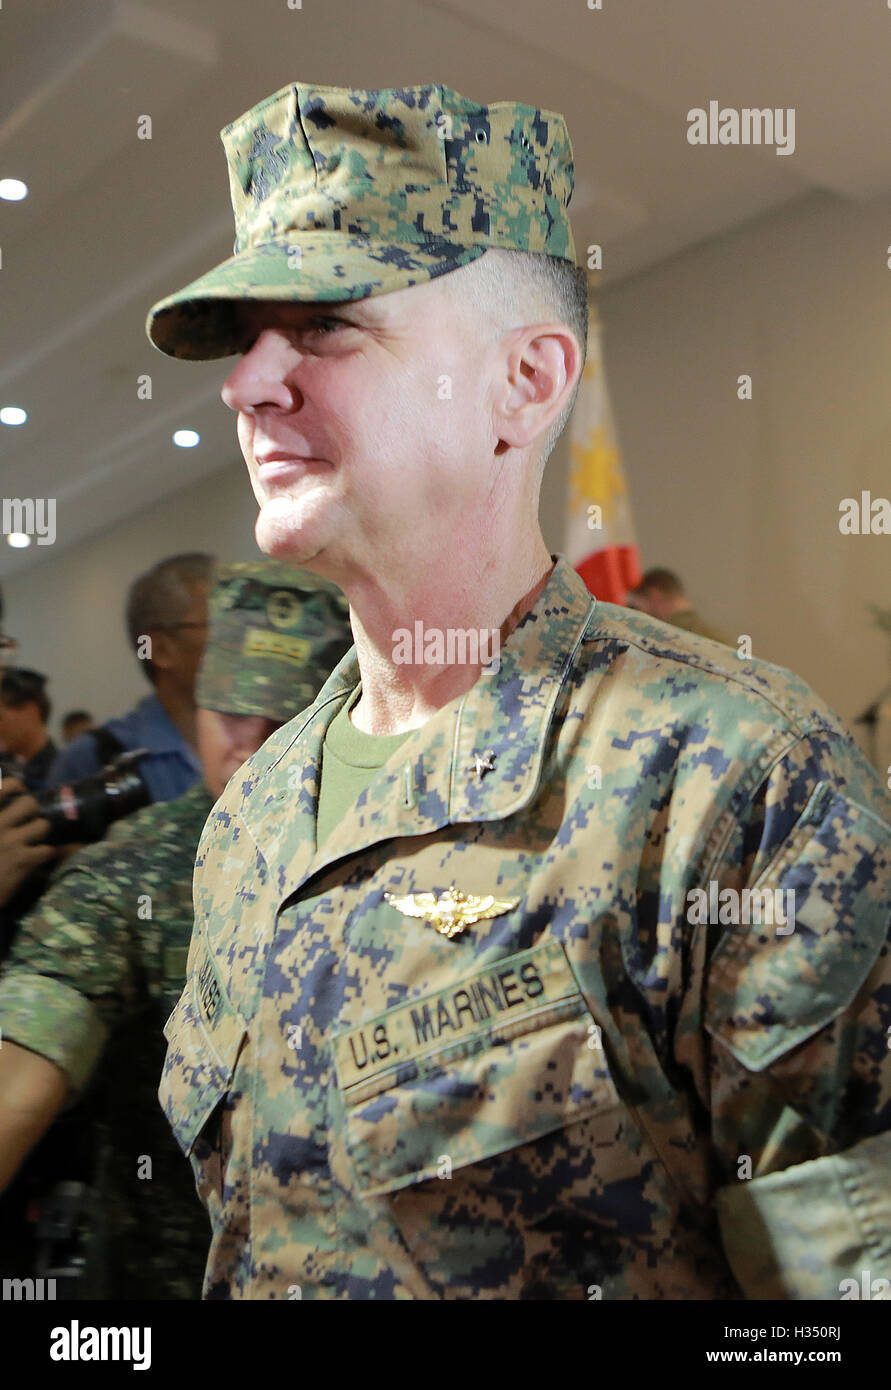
73 973
798 1011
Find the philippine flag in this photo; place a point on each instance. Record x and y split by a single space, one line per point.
600 538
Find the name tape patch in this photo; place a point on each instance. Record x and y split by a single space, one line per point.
259 641
209 993
478 1007
220 1026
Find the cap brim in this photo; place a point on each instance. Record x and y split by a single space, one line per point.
201 322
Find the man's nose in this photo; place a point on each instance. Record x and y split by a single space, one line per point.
259 378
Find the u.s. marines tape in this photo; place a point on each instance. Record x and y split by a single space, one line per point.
491 1006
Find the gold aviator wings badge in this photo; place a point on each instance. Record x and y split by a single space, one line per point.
451 912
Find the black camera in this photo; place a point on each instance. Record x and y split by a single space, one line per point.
81 812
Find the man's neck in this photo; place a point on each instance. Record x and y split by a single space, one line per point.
440 619
179 706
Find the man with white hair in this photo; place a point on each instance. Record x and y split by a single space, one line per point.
451 1028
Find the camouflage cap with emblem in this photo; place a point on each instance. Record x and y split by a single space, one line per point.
342 195
276 634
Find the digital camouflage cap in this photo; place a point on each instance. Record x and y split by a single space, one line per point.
341 195
276 634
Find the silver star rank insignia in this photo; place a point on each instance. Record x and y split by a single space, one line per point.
452 912
483 763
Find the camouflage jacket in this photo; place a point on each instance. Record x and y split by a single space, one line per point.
584 1077
95 969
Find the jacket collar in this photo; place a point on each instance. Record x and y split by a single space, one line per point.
433 779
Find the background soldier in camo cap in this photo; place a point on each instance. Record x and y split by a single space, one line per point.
454 1027
274 639
99 964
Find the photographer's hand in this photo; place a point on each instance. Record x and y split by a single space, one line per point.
20 827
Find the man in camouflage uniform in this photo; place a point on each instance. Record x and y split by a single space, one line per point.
482 1001
99 964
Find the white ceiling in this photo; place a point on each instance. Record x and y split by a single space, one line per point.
113 223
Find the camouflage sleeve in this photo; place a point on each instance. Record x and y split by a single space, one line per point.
798 1009
72 975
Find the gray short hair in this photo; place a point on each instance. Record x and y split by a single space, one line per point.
162 596
518 286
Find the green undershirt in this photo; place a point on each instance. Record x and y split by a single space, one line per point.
350 760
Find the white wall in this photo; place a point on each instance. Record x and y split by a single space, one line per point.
67 612
740 497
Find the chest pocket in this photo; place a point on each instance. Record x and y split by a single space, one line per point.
463 1074
204 1036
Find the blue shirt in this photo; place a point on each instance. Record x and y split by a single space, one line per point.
171 768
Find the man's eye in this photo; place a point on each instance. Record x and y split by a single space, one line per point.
326 325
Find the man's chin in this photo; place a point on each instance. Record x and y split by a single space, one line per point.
281 535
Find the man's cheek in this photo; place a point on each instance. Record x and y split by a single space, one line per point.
256 485
245 430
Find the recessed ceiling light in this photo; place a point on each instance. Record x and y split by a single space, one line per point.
13 190
13 415
18 540
186 439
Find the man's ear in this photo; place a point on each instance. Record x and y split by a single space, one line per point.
163 656
540 367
